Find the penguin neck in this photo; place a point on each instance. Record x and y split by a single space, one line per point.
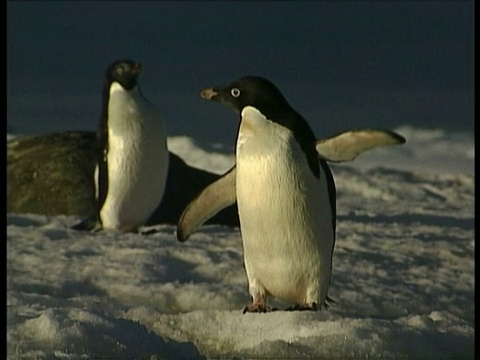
109 87
109 90
254 122
115 86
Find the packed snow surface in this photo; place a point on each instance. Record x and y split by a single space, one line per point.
403 273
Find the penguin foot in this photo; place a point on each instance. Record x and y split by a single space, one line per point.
306 307
148 232
329 302
88 224
258 307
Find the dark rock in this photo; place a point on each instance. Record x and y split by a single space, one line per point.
52 175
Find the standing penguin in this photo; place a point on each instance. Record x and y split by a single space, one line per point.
285 197
132 155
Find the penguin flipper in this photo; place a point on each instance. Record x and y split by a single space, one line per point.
215 197
348 145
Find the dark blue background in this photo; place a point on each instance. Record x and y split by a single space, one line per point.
343 65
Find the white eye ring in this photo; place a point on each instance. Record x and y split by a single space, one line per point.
235 92
119 71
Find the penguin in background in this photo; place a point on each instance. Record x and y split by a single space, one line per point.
285 194
132 157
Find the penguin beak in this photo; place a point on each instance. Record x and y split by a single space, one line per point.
208 93
137 68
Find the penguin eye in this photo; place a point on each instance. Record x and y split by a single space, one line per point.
119 71
235 92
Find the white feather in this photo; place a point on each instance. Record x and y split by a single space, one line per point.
137 160
284 213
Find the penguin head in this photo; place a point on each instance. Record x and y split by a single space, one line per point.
125 72
253 91
264 96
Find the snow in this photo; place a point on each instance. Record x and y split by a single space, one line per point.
402 273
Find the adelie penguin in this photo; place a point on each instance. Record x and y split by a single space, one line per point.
132 156
285 194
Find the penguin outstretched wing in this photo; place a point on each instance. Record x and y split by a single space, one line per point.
215 197
348 145
343 147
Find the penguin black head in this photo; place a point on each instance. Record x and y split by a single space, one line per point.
249 91
125 72
264 96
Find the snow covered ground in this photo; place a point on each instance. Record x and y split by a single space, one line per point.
403 273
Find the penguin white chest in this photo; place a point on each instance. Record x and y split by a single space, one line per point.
284 211
137 160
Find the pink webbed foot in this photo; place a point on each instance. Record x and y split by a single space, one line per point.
259 306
